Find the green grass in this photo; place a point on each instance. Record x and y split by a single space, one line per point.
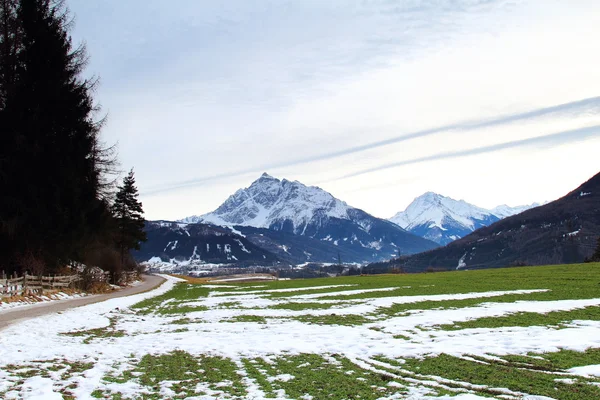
577 281
305 306
58 370
190 376
246 318
109 331
169 303
333 376
333 319
321 378
554 318
516 374
560 360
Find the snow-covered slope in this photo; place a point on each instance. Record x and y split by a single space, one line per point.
291 207
272 202
504 211
443 219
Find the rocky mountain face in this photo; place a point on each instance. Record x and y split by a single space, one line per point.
200 243
443 219
292 208
562 231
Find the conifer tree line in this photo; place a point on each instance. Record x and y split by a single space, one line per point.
57 178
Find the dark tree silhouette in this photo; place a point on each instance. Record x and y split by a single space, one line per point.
129 217
596 255
51 160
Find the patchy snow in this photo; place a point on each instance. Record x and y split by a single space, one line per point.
39 301
152 334
38 388
461 262
242 247
588 370
280 290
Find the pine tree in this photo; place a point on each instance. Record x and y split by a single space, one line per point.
596 255
51 176
128 213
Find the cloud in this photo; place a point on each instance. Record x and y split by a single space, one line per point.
203 95
548 141
571 110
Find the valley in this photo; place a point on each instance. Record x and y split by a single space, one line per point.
504 334
276 225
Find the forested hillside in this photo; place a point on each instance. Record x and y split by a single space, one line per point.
56 174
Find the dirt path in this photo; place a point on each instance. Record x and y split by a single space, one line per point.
11 316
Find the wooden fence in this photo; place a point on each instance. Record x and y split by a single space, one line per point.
29 284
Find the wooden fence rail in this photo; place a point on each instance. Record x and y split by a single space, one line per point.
29 284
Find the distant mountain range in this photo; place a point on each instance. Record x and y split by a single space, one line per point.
443 219
562 231
294 223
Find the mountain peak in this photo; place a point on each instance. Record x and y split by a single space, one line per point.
266 176
292 207
443 219
272 202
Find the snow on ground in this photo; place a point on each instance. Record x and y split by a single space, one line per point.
38 301
209 332
588 370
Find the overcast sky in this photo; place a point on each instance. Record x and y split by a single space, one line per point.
377 102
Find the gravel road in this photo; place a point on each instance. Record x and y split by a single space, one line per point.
11 316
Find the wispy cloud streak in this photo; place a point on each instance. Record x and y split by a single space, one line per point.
548 141
572 109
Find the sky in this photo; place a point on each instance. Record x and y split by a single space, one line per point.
490 101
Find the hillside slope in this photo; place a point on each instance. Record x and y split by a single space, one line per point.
200 243
563 231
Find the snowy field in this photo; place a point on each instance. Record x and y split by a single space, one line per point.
524 333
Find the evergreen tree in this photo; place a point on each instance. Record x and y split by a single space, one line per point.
596 255
50 159
128 214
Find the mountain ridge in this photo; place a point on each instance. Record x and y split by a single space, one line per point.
294 208
443 219
563 231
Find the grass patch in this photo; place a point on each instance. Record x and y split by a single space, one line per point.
183 374
333 319
523 319
169 302
560 360
305 306
246 318
515 376
109 331
322 378
64 373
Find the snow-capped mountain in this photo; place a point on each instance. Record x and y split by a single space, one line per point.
564 231
504 211
270 202
293 208
443 219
